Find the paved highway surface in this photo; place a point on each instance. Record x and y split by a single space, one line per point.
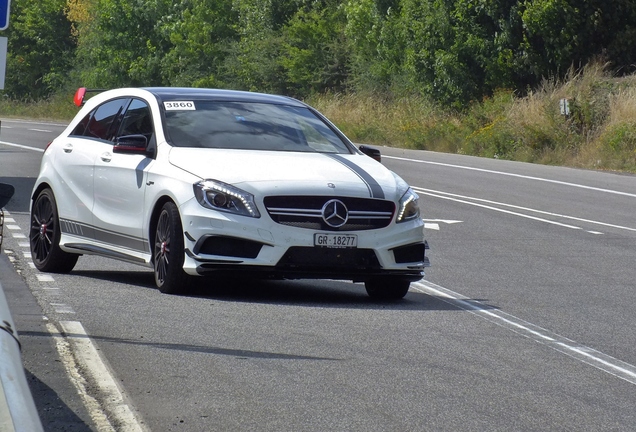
525 320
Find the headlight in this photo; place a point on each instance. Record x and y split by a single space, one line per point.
409 208
221 196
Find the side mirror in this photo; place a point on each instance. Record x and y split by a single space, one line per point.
133 144
372 152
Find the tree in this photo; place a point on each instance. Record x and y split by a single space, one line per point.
40 49
314 53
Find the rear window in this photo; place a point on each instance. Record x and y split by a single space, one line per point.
250 126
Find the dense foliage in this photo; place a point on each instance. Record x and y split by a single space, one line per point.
451 51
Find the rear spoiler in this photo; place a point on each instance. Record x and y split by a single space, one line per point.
81 93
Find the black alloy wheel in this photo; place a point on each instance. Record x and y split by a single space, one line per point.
44 236
169 252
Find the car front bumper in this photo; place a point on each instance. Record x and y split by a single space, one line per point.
223 242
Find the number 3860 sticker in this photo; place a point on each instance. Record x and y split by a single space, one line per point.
179 105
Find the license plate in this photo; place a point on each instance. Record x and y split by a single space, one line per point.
336 240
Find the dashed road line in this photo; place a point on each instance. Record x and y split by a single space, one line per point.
78 353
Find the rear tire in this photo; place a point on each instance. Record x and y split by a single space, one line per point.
169 252
44 236
387 288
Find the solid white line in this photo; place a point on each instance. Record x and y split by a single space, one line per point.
91 362
96 412
22 146
497 209
4 121
610 191
432 192
599 360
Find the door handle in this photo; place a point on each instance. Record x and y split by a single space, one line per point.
106 157
68 148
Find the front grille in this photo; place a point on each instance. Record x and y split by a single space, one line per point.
306 212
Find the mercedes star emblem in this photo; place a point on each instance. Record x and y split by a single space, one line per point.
335 213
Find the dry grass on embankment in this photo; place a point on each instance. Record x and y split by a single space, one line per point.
599 132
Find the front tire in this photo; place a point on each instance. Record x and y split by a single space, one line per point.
387 288
44 236
169 251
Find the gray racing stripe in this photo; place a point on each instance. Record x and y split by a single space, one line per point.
374 187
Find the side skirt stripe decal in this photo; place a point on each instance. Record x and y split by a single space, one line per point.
92 233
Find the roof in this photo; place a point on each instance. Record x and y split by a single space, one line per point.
180 93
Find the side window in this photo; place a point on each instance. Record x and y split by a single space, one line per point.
81 126
102 120
137 120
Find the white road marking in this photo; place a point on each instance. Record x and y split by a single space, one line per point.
22 146
62 308
52 290
44 278
496 209
39 130
587 355
574 218
65 352
12 227
432 226
18 235
90 361
610 191
5 121
463 199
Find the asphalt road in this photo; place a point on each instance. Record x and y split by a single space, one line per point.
524 322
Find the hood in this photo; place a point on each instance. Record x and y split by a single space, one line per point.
289 173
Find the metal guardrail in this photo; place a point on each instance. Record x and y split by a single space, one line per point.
17 407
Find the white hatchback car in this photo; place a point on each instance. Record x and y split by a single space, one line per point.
199 181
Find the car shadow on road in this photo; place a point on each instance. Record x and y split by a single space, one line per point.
22 196
304 292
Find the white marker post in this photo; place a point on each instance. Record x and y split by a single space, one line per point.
4 23
3 60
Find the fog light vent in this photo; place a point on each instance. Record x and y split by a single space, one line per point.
228 246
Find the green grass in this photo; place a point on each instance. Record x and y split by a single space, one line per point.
599 133
58 108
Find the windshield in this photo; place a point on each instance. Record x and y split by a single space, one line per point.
250 126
